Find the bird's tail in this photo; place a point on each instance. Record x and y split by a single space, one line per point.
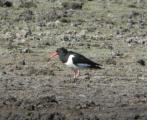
97 66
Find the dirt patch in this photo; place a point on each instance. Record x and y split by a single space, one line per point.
36 87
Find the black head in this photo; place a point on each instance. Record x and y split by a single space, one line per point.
62 52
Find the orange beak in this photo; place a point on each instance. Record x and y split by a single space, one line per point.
54 54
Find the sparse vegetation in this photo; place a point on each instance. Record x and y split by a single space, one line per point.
110 32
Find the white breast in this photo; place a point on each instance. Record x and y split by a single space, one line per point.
69 62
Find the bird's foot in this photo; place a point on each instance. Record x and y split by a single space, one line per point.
75 77
76 74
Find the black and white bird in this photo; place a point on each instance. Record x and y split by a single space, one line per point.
74 60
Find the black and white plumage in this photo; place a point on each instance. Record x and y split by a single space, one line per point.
75 60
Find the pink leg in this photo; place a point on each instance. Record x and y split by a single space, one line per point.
76 73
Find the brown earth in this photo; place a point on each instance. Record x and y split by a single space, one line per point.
35 87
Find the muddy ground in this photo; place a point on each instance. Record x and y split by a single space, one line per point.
36 87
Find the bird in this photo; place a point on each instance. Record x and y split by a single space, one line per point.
74 60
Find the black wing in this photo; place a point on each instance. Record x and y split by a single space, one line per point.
83 62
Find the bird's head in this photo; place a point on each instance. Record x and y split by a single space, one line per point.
59 52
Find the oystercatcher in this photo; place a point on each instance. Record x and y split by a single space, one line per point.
74 60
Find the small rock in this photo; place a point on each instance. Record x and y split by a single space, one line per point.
72 5
111 61
117 53
22 62
4 72
82 33
10 100
91 29
141 62
65 20
26 50
1 3
133 14
8 4
53 116
26 15
53 15
18 103
130 40
132 6
137 117
48 99
90 104
78 106
28 4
